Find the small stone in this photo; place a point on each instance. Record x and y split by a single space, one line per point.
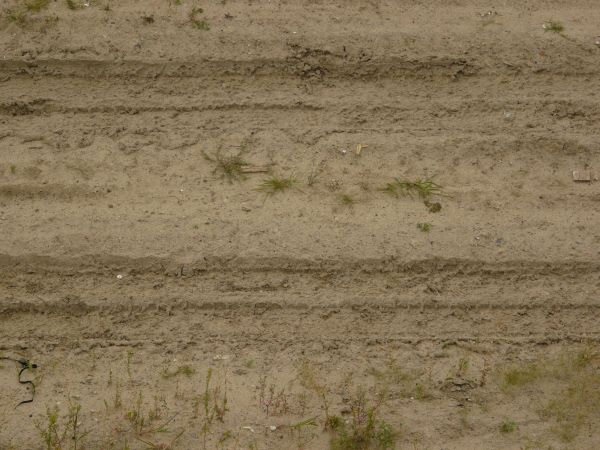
582 175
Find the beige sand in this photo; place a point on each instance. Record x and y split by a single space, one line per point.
130 264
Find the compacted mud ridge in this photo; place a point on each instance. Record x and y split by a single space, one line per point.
209 238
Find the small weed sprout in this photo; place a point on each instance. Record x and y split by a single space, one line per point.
463 365
136 415
129 358
231 167
275 184
508 426
424 227
314 174
347 199
118 401
13 169
553 26
274 402
200 24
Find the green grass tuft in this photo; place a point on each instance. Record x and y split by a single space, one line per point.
231 167
275 184
424 189
554 26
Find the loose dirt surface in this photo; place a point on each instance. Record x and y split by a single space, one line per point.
133 267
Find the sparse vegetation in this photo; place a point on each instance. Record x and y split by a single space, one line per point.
214 404
18 17
36 5
422 188
308 380
275 184
518 376
399 382
68 436
13 169
577 402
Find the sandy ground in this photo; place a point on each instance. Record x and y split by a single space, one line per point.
133 268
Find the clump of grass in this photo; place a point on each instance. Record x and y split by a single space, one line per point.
231 167
424 188
276 184
36 5
554 26
508 426
181 370
13 169
424 227
200 24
